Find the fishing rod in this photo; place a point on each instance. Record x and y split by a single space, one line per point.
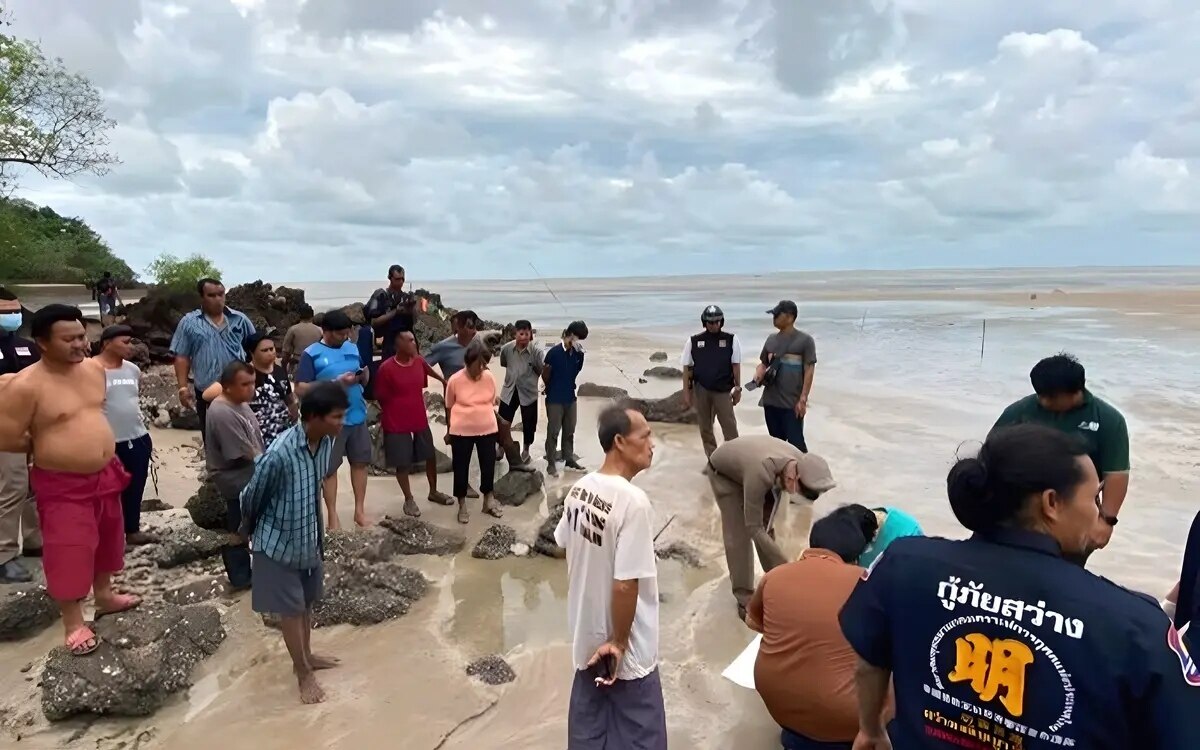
599 353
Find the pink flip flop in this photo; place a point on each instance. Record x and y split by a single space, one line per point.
78 641
124 602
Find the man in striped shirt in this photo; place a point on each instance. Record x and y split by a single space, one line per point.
281 513
204 342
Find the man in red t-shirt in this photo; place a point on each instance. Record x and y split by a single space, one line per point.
407 439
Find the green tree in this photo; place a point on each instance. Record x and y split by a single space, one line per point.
36 244
51 120
182 273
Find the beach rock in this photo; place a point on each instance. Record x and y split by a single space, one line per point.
355 311
195 592
145 656
153 318
207 507
663 372
181 547
545 544
434 401
591 390
684 553
417 537
25 610
491 670
153 505
361 593
515 487
670 409
658 357
496 543
370 545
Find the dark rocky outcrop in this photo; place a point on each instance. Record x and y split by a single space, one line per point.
198 591
371 545
663 372
25 610
515 487
184 546
154 317
207 507
417 537
684 553
153 505
145 656
658 357
545 544
592 390
362 593
496 543
491 670
670 409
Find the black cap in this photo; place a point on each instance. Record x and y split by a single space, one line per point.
784 306
113 332
336 320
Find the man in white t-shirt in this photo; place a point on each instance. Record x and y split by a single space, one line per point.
607 529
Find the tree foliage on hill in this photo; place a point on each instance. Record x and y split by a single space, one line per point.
51 119
36 244
181 274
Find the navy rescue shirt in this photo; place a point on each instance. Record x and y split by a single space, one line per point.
998 643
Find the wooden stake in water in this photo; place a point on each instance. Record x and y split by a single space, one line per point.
983 341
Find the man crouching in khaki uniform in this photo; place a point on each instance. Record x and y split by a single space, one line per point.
748 475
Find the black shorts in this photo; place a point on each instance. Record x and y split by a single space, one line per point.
402 450
508 411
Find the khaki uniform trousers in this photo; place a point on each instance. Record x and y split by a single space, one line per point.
740 540
709 404
18 514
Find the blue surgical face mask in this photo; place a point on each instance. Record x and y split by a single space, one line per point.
10 321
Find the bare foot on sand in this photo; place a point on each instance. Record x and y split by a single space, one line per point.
316 661
411 508
310 691
360 518
334 524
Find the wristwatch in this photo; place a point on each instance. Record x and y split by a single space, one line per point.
1110 520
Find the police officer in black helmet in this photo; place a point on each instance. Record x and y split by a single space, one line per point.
712 373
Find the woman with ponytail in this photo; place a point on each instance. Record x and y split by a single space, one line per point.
1005 635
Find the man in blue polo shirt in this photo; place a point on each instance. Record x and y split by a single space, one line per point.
336 358
561 368
204 342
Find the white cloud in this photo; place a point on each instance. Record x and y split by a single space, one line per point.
621 136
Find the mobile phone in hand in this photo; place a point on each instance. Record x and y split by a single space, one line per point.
606 667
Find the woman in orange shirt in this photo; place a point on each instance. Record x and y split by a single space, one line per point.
471 426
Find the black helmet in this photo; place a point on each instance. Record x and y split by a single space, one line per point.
712 314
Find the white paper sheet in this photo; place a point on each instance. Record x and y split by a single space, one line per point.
741 671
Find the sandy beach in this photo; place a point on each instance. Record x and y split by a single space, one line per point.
898 391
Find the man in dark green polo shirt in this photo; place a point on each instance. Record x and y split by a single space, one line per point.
1061 400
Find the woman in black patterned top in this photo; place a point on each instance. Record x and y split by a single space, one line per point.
274 402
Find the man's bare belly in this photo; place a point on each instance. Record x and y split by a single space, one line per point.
81 444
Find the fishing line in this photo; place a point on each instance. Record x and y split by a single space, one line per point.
600 354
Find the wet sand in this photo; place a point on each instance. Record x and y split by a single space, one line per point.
402 684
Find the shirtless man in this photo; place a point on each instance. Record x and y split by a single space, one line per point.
54 410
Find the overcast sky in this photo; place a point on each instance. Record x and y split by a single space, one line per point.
324 139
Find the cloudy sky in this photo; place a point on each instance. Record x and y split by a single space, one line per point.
324 139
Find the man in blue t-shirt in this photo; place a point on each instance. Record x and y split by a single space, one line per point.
336 358
561 368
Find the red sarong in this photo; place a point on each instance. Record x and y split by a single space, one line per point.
83 532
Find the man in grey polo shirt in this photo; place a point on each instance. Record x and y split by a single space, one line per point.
522 361
234 442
